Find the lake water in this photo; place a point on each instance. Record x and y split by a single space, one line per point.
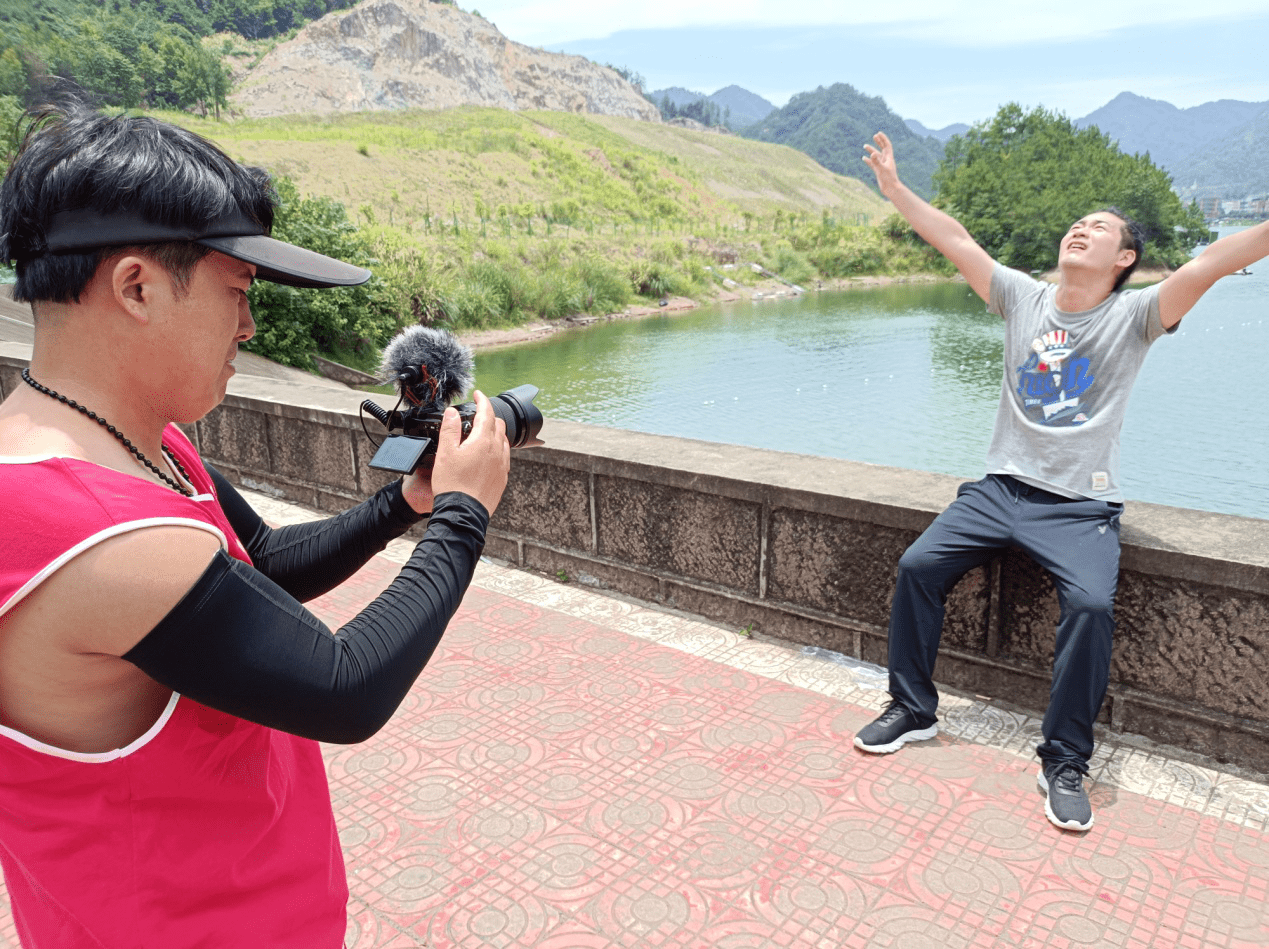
909 376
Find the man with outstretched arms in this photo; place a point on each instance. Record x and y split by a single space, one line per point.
1072 352
162 689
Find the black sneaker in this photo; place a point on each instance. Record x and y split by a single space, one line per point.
1065 800
891 730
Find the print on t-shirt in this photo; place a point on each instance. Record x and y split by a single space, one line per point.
1052 380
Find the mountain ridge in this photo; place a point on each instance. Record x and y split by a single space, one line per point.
1170 134
832 124
745 107
942 135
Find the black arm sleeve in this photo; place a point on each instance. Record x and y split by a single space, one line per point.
307 560
240 643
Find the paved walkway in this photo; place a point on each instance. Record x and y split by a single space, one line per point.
575 771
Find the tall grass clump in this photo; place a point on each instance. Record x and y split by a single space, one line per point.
605 288
790 264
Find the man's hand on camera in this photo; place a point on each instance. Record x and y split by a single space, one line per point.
477 465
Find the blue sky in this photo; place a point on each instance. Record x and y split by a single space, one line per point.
935 62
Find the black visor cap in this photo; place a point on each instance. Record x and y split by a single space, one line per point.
233 235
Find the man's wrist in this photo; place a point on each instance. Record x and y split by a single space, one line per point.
400 504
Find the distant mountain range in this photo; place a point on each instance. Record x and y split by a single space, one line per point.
942 134
744 107
833 124
1215 149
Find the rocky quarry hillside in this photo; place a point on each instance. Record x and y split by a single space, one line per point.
402 54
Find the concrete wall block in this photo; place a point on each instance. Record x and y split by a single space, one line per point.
1029 612
334 502
717 605
834 565
1009 683
313 452
848 568
965 616
1195 643
1225 739
677 531
500 547
591 573
874 648
239 437
283 488
766 619
549 503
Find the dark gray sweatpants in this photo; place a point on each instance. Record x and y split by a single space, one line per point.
1076 541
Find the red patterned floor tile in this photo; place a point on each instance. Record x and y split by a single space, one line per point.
555 784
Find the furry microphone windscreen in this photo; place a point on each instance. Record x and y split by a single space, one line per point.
430 366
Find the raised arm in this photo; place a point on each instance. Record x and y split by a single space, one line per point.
1179 293
944 233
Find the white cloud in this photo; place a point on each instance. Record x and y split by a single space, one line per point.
984 23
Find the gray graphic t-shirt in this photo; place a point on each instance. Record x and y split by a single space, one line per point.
1066 384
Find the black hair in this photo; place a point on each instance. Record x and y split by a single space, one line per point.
1131 236
73 156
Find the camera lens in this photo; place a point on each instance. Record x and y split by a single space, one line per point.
523 419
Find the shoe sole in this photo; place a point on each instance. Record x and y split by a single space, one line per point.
1048 809
920 734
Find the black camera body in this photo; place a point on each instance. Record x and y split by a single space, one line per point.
414 433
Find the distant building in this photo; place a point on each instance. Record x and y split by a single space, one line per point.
1211 208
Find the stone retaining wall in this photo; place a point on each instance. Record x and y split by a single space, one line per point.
805 549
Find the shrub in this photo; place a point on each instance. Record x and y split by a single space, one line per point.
651 278
290 322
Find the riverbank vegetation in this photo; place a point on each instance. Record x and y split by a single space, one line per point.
459 276
481 218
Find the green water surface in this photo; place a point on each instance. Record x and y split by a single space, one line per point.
908 376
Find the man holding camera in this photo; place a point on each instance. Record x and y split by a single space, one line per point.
1072 352
162 689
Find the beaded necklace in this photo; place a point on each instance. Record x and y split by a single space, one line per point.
26 377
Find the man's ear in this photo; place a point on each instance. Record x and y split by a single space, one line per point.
1126 256
133 281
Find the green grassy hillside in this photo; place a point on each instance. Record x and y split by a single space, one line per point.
417 168
476 217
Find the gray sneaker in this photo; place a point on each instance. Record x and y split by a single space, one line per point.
1065 800
895 726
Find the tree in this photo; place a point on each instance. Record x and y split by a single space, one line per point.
1018 181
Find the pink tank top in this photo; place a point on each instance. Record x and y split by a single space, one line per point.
208 830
